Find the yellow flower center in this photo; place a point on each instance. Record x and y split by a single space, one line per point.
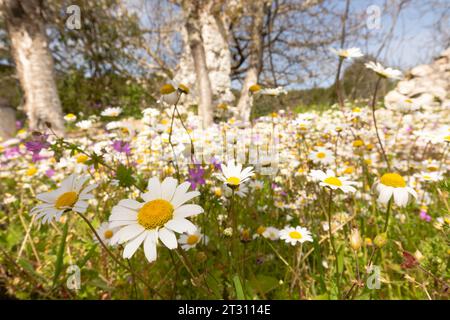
192 239
254 88
108 234
320 155
447 138
31 171
295 235
393 180
260 230
333 181
349 170
234 181
66 200
155 213
183 88
167 89
82 158
358 143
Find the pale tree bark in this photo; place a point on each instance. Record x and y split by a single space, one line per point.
34 63
256 9
215 23
193 27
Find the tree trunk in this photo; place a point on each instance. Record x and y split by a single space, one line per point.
193 28
257 9
34 63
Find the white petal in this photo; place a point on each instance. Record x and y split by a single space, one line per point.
168 188
385 194
412 192
154 188
180 199
67 184
119 223
78 183
122 213
187 210
181 225
150 249
129 232
132 246
89 188
168 238
129 203
49 197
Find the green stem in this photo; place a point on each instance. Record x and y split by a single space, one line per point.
388 211
332 241
374 100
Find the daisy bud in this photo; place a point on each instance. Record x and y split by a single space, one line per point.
201 257
355 239
380 240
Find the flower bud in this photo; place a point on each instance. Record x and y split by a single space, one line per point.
380 240
355 239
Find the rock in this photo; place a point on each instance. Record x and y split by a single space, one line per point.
7 121
426 85
421 71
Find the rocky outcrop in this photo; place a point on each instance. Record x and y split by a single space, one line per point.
425 85
7 120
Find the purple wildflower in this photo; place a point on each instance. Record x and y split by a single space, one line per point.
12 152
216 163
49 173
196 176
122 146
36 144
424 216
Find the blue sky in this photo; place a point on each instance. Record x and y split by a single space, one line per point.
413 38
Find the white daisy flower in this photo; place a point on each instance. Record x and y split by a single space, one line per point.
84 124
170 92
393 184
190 240
271 233
233 175
329 179
163 213
430 176
70 117
384 72
105 232
293 235
240 191
348 53
322 155
71 195
111 112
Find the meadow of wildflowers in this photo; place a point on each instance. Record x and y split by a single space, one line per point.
349 203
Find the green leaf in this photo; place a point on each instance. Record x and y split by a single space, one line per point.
60 254
263 284
238 286
340 260
125 176
318 257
